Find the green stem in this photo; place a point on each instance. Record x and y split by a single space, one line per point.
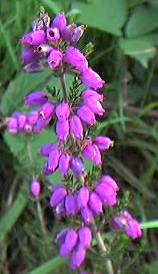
150 224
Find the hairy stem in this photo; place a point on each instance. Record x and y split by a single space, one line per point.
103 249
63 86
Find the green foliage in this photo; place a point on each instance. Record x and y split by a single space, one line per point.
104 15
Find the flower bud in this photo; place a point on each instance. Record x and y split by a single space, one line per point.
77 34
69 244
86 115
57 196
46 149
53 159
95 203
41 124
94 105
64 163
59 22
71 205
74 58
91 93
78 257
55 59
92 153
62 130
32 117
106 193
62 111
12 125
87 214
35 98
29 55
83 197
108 180
21 121
76 127
91 79
34 38
77 167
53 35
47 111
128 224
35 188
85 236
103 143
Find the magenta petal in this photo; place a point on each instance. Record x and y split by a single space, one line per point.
76 127
83 197
71 239
85 236
62 130
103 143
57 196
94 105
64 163
86 115
87 214
55 59
35 188
71 205
74 58
36 98
53 159
62 111
95 203
91 79
59 22
53 35
78 257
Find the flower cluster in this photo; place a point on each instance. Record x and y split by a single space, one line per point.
52 43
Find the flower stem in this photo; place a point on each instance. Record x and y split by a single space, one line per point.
150 224
63 86
103 249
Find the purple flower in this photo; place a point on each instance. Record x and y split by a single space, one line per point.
36 98
107 193
91 79
59 22
21 121
71 205
34 38
35 188
34 67
32 117
41 124
94 105
53 159
77 167
91 93
62 130
78 257
57 196
86 115
77 34
103 143
12 125
55 59
128 224
76 127
83 197
92 153
108 180
69 243
62 111
60 238
46 149
53 35
74 58
44 50
47 111
87 214
60 210
64 163
29 55
85 236
95 203
68 32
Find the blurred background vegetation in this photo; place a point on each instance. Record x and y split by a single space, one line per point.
125 38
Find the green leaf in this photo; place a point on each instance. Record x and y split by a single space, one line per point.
132 3
11 216
138 48
105 15
153 268
48 267
143 20
19 87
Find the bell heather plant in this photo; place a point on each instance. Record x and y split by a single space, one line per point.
81 197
